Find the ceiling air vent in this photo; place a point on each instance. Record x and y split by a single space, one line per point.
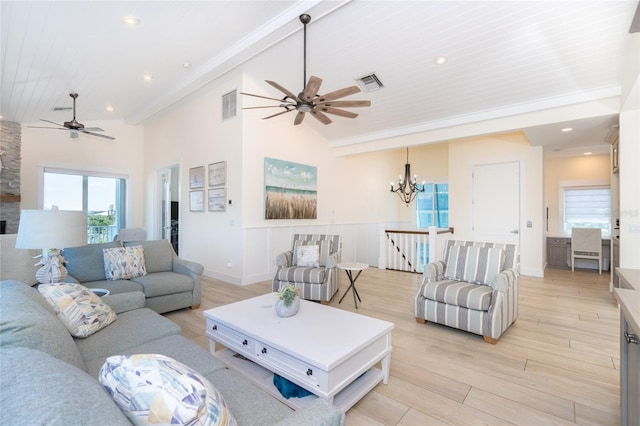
229 105
370 82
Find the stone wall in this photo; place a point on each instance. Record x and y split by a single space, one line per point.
10 142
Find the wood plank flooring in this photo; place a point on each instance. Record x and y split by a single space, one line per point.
558 364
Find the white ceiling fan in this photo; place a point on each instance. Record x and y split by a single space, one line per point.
74 126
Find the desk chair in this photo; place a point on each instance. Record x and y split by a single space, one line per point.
586 243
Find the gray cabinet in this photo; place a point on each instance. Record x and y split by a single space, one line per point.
557 249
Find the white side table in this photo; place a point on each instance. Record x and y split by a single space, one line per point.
349 268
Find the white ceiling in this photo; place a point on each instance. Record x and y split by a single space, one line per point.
505 58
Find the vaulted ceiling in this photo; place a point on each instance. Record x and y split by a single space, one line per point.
505 59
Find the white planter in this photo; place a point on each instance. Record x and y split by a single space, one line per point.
287 311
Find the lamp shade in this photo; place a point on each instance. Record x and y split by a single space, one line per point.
46 229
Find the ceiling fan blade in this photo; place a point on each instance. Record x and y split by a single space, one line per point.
335 111
345 104
282 89
263 97
299 118
92 129
52 128
97 134
52 122
275 115
340 93
311 90
320 117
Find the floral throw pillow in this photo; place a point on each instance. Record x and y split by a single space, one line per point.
78 308
123 263
156 389
308 256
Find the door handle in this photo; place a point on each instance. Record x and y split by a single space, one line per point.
631 338
515 231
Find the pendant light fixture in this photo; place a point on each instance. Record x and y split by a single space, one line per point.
407 188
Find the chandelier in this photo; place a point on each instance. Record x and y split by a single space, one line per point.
407 188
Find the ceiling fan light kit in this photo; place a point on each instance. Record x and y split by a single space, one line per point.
73 126
309 101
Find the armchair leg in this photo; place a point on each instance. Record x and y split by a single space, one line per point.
421 320
490 340
194 307
324 302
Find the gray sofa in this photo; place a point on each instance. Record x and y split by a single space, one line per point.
171 283
49 377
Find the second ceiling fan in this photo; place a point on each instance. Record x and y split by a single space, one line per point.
309 101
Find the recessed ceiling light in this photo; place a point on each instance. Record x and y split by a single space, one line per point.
440 60
110 108
147 77
130 21
567 129
588 153
186 65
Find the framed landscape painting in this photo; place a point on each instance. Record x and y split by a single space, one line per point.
218 173
196 177
196 201
217 200
291 190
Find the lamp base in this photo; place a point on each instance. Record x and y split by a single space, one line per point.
53 270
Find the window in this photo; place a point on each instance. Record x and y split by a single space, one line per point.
432 206
101 196
587 207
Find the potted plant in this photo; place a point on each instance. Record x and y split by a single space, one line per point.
288 301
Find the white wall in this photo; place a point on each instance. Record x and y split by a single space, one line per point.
465 154
52 148
630 159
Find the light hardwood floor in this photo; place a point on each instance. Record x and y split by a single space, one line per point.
558 364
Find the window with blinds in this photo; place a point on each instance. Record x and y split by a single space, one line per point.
587 207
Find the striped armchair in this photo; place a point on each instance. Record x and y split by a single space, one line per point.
475 289
318 283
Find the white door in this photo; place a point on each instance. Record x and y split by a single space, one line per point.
164 196
496 203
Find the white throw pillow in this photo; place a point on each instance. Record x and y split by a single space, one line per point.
78 308
156 389
308 256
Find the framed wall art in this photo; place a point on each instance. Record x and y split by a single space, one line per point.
217 200
196 201
196 177
291 190
218 173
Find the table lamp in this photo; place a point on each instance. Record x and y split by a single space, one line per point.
51 230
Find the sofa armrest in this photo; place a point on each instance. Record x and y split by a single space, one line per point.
193 270
123 302
284 260
434 271
317 413
333 260
505 280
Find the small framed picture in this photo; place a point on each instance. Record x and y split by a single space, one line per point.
196 177
218 173
217 200
196 201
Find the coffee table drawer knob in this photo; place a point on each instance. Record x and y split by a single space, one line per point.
309 372
244 342
264 350
214 328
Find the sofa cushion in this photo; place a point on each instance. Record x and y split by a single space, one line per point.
116 338
163 283
158 254
123 263
86 263
459 293
116 286
302 275
175 346
38 389
27 320
153 388
78 308
483 264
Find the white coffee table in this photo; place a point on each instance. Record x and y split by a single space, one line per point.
328 351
